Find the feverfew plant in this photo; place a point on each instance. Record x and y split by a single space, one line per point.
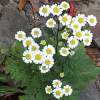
51 53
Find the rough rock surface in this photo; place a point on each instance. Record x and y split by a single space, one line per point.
11 21
92 8
91 93
4 2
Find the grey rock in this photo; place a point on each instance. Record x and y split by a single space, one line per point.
92 8
4 2
11 21
97 40
0 7
33 18
91 93
16 0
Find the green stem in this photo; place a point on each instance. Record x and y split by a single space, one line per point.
57 41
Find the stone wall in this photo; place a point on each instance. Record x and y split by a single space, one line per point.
92 8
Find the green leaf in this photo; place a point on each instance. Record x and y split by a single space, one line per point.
7 90
2 57
79 70
3 78
18 71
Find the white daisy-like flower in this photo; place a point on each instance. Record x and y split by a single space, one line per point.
34 47
44 10
65 35
28 41
75 26
67 90
36 32
78 34
44 69
55 10
56 83
38 57
64 51
58 93
81 19
48 89
27 56
21 35
51 23
72 53
65 5
91 19
87 41
49 50
72 42
48 61
65 19
87 34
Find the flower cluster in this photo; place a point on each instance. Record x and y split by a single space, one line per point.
33 54
58 90
68 33
75 32
55 9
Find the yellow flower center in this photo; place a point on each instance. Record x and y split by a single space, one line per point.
78 34
44 67
50 23
65 35
28 42
72 42
49 89
80 20
76 26
49 51
87 34
36 33
56 10
20 36
47 62
67 90
64 19
92 20
57 83
64 51
58 92
65 5
33 48
45 10
28 56
87 40
38 57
